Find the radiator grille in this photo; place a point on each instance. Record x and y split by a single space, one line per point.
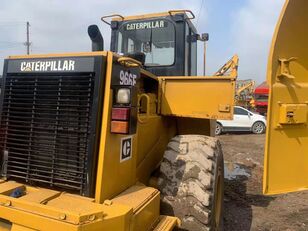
45 129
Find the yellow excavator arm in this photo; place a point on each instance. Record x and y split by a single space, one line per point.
230 66
250 86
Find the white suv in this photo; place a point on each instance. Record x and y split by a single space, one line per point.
243 120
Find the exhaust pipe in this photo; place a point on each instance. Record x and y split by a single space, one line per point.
96 37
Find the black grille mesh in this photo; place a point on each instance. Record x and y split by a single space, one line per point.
45 129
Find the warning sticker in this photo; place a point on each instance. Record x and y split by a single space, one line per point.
126 149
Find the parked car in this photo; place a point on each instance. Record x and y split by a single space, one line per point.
243 120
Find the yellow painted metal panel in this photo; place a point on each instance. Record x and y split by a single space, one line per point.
286 151
147 215
106 108
145 203
40 196
116 218
113 176
198 97
167 223
136 196
63 212
113 170
292 114
16 227
152 139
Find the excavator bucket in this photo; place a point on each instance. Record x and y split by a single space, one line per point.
286 150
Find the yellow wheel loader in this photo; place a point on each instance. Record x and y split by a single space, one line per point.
115 140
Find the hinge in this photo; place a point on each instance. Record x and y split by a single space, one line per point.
285 68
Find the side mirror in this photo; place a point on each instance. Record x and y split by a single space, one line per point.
203 37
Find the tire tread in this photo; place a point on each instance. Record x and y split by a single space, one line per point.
187 179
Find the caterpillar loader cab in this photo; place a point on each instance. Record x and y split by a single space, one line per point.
115 140
286 159
168 41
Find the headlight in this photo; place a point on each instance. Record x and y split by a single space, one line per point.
123 96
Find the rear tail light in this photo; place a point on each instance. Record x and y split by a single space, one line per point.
124 110
120 120
120 114
121 127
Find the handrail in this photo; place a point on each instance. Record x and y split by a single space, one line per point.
129 62
147 108
110 16
172 12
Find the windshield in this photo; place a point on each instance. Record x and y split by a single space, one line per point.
155 38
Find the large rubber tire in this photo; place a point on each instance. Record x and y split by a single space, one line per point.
191 182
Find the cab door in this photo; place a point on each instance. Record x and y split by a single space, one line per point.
286 150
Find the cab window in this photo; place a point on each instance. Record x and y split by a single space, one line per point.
154 38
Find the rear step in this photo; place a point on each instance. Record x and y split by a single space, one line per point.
167 223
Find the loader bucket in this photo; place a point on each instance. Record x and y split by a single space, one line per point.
286 150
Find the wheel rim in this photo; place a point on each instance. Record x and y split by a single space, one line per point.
218 200
258 128
217 129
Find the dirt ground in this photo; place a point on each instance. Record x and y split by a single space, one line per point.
245 208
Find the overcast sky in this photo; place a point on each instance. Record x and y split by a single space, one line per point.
244 27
